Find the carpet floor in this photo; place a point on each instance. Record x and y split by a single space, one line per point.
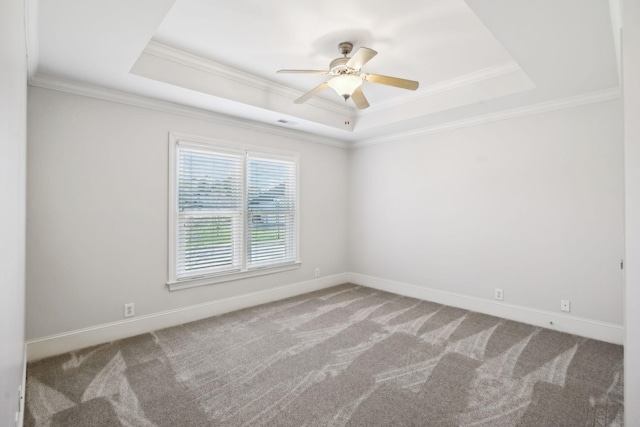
343 356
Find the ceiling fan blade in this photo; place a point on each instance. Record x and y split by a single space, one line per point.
361 57
359 99
391 81
303 71
311 93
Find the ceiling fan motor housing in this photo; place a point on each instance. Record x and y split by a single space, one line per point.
339 66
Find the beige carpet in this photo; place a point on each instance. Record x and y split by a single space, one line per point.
344 356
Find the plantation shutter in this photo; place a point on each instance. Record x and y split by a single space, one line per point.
210 220
271 211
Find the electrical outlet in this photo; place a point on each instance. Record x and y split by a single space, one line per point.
129 309
317 273
499 295
565 305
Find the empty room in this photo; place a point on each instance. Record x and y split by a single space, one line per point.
331 213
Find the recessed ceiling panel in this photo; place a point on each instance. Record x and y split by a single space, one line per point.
472 57
428 41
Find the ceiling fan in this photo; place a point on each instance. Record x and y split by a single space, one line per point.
348 77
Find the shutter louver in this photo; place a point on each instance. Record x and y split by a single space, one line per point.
210 201
271 211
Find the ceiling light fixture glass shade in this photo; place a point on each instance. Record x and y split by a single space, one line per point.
345 84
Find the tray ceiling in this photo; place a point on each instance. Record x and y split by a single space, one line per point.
471 58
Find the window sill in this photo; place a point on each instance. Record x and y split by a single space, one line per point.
228 277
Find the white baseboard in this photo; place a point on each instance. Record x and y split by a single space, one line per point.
81 338
602 331
74 340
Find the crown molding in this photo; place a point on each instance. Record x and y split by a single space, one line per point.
615 10
222 71
31 36
55 83
543 107
447 85
83 89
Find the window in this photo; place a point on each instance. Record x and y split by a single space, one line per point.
233 212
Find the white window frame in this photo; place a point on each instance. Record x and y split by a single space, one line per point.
208 145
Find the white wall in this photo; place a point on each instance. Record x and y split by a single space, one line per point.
532 205
97 211
13 97
631 93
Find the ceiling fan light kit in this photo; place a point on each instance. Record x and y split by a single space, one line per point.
347 76
345 84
